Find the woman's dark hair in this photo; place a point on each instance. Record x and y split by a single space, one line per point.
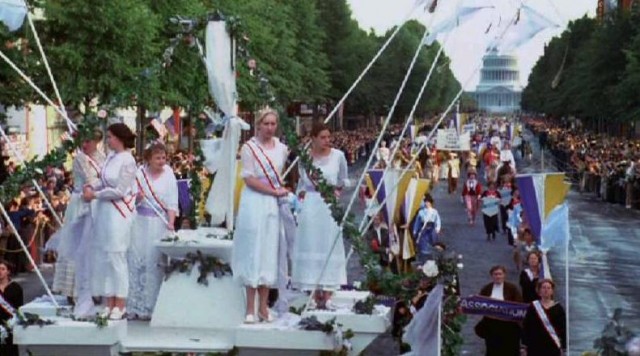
97 135
124 134
318 128
428 198
156 147
9 265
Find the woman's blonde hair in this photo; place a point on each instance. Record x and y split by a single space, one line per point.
264 113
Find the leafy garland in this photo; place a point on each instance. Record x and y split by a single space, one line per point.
35 168
206 265
342 343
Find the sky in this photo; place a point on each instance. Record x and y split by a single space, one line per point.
465 47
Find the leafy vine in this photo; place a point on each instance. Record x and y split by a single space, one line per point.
206 265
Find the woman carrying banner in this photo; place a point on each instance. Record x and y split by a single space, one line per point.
471 192
545 332
113 220
254 258
313 255
501 337
157 194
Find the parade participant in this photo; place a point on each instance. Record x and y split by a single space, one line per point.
112 221
525 244
378 237
454 172
506 192
435 165
507 156
544 328
256 239
426 228
529 277
471 193
75 246
157 194
490 202
11 299
514 210
383 153
313 255
502 338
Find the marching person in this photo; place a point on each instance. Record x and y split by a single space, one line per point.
426 228
157 202
256 240
490 201
11 299
529 277
505 191
501 337
379 240
75 245
454 172
318 265
113 220
544 328
471 192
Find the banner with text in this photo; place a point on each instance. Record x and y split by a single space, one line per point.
470 128
494 308
449 140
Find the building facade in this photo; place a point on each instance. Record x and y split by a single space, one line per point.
499 90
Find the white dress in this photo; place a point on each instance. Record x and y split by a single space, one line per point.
254 258
145 261
317 231
71 276
112 223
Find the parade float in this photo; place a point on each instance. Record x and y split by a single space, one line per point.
200 306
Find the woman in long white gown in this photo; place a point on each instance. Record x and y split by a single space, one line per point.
113 219
73 239
255 246
317 229
157 194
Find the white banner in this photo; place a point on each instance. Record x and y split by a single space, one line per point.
448 140
470 128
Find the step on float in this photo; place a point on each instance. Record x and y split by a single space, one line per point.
196 317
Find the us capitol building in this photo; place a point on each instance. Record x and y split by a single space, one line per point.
499 90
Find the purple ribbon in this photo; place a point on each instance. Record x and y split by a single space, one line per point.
184 197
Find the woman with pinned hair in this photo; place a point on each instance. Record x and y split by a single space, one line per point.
157 208
113 221
256 239
544 328
317 266
75 250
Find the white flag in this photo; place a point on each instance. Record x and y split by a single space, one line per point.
530 23
465 13
12 13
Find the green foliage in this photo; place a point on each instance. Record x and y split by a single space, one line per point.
615 337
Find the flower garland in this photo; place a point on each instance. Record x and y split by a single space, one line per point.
342 338
206 265
35 168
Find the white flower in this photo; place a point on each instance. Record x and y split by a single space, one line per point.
39 171
633 346
453 290
430 268
460 265
102 114
459 257
357 284
454 282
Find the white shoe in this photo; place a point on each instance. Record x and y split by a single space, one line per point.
117 314
266 318
250 319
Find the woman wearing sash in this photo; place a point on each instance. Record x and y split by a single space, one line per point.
74 237
113 219
490 202
157 194
471 193
316 266
11 298
426 228
545 332
255 245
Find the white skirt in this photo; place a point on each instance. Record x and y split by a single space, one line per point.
254 258
145 265
109 276
316 233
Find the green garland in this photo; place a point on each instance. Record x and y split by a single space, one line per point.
35 168
206 265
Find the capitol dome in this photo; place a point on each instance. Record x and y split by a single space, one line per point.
499 90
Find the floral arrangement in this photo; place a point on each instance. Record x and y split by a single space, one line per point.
21 319
206 265
342 343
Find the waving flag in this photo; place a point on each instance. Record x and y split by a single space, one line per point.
12 13
416 189
465 13
394 196
541 194
530 23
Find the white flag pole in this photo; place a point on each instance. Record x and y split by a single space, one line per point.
566 291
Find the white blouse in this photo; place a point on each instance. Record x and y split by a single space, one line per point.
334 171
163 188
118 177
251 166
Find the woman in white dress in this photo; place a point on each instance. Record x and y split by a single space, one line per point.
75 235
157 194
317 229
113 219
255 246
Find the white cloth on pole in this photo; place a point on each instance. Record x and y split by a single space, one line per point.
12 13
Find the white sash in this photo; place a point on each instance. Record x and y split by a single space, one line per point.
265 163
547 323
145 186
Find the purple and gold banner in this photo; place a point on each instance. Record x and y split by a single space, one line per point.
494 308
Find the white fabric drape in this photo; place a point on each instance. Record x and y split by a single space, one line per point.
221 153
12 13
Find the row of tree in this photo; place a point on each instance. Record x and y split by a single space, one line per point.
591 71
311 51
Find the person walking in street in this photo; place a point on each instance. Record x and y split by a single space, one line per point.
426 228
544 328
471 192
490 202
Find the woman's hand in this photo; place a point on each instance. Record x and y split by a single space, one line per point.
87 193
280 192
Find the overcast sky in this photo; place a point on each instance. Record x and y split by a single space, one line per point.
464 47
